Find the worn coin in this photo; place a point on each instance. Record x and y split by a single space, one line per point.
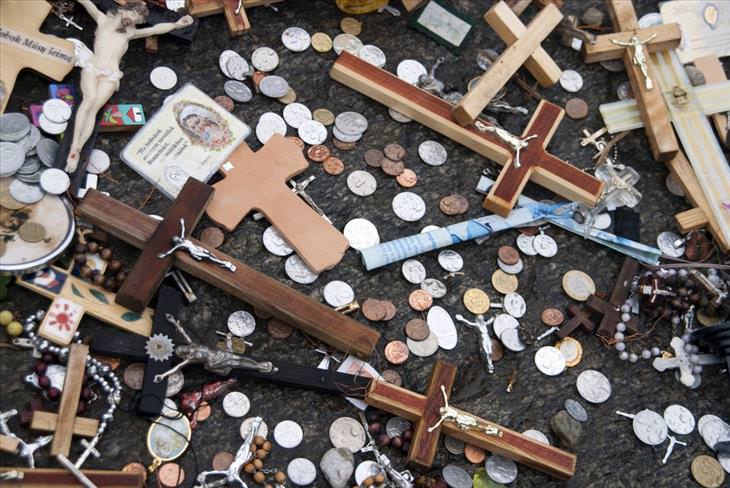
514 305
374 310
536 435
273 86
212 236
578 285
407 179
275 243
278 329
223 59
432 153
351 123
225 101
57 110
417 329
649 427
665 242
442 326
47 151
707 471
32 232
396 352
474 454
289 97
571 80
394 152
679 419
296 39
55 181
420 300
454 204
508 255
456 477
392 377
434 287
373 157
30 141
450 261
318 153
265 59
343 137
295 113
552 317
511 269
454 445
424 348
593 386
390 310
392 168
575 410
346 42
238 91
351 26
222 461
25 193
399 117
14 126
361 234
673 185
236 404
203 411
511 340
12 157
396 426
549 361
576 108
298 271
476 301
323 116
170 475
237 68
408 206
133 376
246 425
503 282
373 55
501 469
525 244
410 70
365 470
333 166
270 124
413 271
348 433
624 91
571 349
312 132
163 78
288 434
321 42
241 323
545 245
301 471
338 293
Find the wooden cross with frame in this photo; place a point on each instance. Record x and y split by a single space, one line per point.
245 283
610 310
235 17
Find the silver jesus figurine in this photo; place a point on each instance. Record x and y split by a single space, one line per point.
482 326
639 55
197 252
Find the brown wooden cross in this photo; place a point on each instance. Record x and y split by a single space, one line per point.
424 410
62 478
577 318
523 47
519 6
237 22
611 310
538 165
23 46
245 283
257 181
654 113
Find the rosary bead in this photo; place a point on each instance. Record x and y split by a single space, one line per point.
697 368
688 348
258 464
655 351
249 468
374 428
645 354
44 382
115 265
383 440
369 481
625 308
259 441
81 408
686 338
280 477
672 272
259 477
85 271
266 446
676 320
621 327
624 356
373 416
408 434
694 358
619 336
396 442
53 393
379 479
261 454
105 368
121 276
80 259
40 368
683 273
620 346
98 280
106 254
633 358
92 246
80 248
625 317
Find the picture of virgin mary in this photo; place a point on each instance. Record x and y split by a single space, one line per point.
202 125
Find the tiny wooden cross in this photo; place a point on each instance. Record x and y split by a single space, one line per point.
234 10
610 310
427 412
654 113
23 46
523 48
542 167
258 181
577 318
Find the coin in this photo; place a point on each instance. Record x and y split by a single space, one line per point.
278 329
454 445
525 244
476 301
268 125
295 114
246 425
237 91
241 323
571 80
12 157
501 469
435 287
265 59
571 349
223 59
288 434
134 376
512 340
396 352
163 78
170 475
504 283
450 261
351 26
273 86
665 242
338 293
552 317
351 123
236 404
222 461
456 477
442 326
707 471
576 108
474 454
649 427
575 410
410 70
514 304
343 146
333 166
578 285
624 91
593 386
536 435
312 132
454 205
321 42
6 200
324 116
432 153
361 234
545 245
13 126
497 350
508 255
295 39
298 271
392 168
417 329
673 185
348 433
398 117
203 412
394 152
420 300
372 54
373 157
136 468
424 348
301 471
47 150
346 42
365 470
413 271
57 110
408 206
407 179
318 153
212 236
32 232
345 138
549 361
275 243
503 322
679 419
374 310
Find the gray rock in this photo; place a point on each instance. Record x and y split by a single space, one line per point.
592 16
566 428
337 466
696 77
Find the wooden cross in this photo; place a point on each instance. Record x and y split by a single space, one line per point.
237 22
610 310
23 46
542 167
523 47
259 181
72 298
650 101
577 318
519 6
424 411
62 478
247 284
712 70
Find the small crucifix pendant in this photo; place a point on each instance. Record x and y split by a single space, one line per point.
180 243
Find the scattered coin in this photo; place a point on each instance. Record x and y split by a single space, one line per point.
424 348
417 329
246 425
456 477
549 361
576 108
413 271
392 377
338 293
373 157
432 153
275 243
410 70
450 261
593 386
236 404
333 166
396 352
273 86
238 91
578 285
508 255
408 206
343 146
545 245
270 124
474 454
361 233
47 151
289 97
136 468
511 340
352 124
321 42
503 282
265 59
241 323
392 168
372 54
57 110
665 242
348 433
707 471
351 26
212 236
222 461
203 412
575 410
454 205
163 78
296 39
170 475
497 350
571 349
514 304
312 132
278 329
454 445
501 469
324 116
434 287
407 179
288 434
536 435
571 80
237 68
318 153
374 310
301 471
420 300
525 244
134 376
394 152
32 232
442 326
476 301
552 317
346 42
398 117
295 114
298 271
679 419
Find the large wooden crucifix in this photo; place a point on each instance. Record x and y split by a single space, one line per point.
633 45
245 283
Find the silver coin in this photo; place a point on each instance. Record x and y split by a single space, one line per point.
512 341
298 271
724 460
650 19
14 126
30 166
593 386
288 434
57 110
408 206
575 410
396 426
275 243
454 445
175 383
99 162
571 80
545 245
410 70
274 86
442 326
450 260
25 193
301 471
236 404
361 234
54 181
429 228
265 59
435 287
399 117
503 322
413 271
268 125
673 185
501 469
536 435
241 323
550 361
295 114
263 429
12 157
714 431
525 244
456 477
432 153
365 470
351 123
345 137
51 127
514 304
163 78
237 68
372 54
650 427
613 65
602 221
424 348
346 42
312 132
665 241
338 293
223 59
706 419
511 269
31 179
238 91
679 419
296 39
31 140
623 91
361 183
348 433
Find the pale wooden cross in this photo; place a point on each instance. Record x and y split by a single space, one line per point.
234 10
519 6
523 47
245 283
23 46
610 310
650 102
258 181
712 70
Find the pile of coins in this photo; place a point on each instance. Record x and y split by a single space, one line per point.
321 154
378 310
391 161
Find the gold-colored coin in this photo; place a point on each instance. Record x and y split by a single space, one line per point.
321 42
503 282
238 346
571 349
32 232
476 301
290 97
578 285
6 201
707 471
323 116
350 25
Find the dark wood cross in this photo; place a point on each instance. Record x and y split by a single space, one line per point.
245 283
538 165
62 478
424 411
577 318
610 310
654 113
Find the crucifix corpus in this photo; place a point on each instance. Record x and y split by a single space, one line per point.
265 293
234 10
523 48
633 45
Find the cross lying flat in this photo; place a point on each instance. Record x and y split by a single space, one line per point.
236 18
610 310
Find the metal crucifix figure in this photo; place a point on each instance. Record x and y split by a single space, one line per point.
25 449
180 243
482 326
639 56
515 142
462 420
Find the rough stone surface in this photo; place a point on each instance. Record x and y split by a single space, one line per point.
337 465
566 428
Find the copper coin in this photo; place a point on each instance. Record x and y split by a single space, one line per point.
420 300
278 329
407 179
333 166
133 376
392 168
374 310
203 412
392 377
136 468
396 352
296 141
497 350
318 153
697 246
225 101
576 108
222 461
454 205
373 157
417 329
390 310
552 317
257 77
508 255
343 146
113 363
394 152
170 475
530 231
474 454
212 236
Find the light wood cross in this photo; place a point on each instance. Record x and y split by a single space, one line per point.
523 48
23 46
236 17
712 70
642 75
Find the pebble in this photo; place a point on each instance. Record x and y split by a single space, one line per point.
566 429
337 465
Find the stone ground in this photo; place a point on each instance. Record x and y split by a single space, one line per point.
608 453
